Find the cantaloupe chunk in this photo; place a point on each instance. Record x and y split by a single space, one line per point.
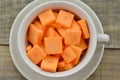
68 66
57 55
49 63
46 17
29 47
68 55
61 64
53 45
83 45
65 67
78 52
75 25
56 14
55 25
84 28
72 37
36 54
35 34
62 31
51 32
37 23
65 18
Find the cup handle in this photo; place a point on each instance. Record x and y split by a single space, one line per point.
103 38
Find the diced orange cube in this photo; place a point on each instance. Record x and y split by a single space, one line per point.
35 34
83 44
61 64
53 45
68 55
37 23
72 37
68 66
49 63
65 18
84 28
55 25
51 32
56 14
36 54
29 47
78 52
74 25
62 31
46 17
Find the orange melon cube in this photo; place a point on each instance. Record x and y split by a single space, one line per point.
49 63
37 23
35 34
29 47
78 52
68 66
65 18
61 64
83 45
55 25
68 55
53 45
56 14
62 31
36 54
72 37
57 55
75 25
46 17
84 28
51 32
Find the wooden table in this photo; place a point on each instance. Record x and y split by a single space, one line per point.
107 10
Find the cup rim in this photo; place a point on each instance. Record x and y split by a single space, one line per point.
68 72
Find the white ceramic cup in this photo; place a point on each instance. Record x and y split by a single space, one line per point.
94 37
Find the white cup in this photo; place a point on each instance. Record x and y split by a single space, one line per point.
94 37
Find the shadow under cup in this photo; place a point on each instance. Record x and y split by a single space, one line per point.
57 5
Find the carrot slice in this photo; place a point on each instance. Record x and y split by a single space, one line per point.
84 28
49 63
46 17
35 34
72 37
68 55
36 54
53 45
78 52
65 18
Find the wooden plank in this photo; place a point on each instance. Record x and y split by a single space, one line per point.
8 70
109 69
8 11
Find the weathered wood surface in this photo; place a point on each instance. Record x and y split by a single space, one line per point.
108 12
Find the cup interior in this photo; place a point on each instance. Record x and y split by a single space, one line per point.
65 5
